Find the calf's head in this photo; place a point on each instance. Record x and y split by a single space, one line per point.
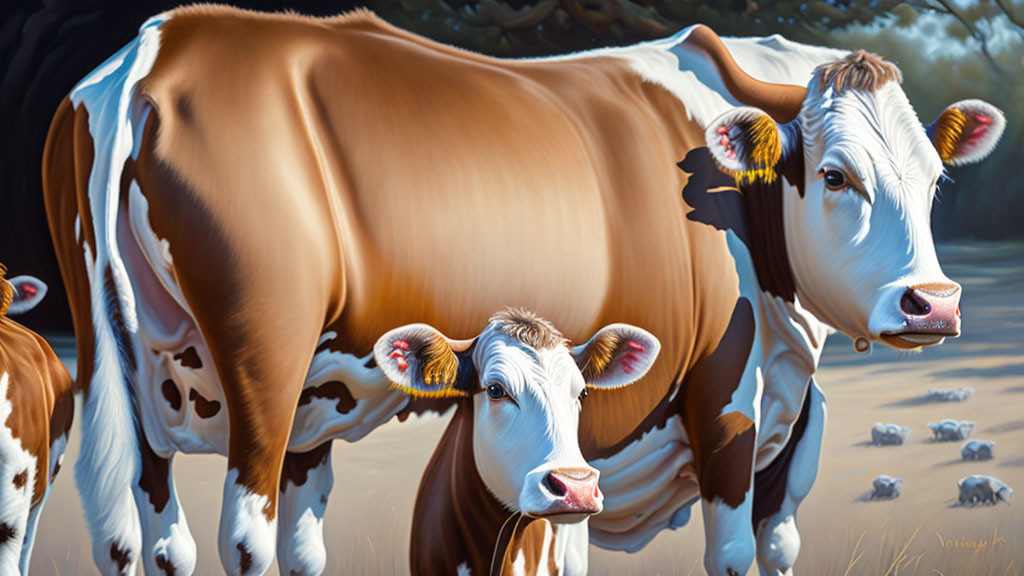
859 174
526 386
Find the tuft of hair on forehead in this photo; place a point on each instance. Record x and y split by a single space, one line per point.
528 328
860 70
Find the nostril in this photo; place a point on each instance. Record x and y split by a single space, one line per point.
554 485
913 304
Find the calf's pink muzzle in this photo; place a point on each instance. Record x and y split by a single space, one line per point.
571 491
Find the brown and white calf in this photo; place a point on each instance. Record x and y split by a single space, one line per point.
36 407
242 203
519 390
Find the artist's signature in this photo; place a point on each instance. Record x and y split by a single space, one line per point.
973 545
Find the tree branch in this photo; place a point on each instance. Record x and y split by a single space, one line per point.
948 8
1013 18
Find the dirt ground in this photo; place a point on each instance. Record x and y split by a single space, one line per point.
922 532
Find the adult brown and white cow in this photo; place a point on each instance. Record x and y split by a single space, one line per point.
243 202
36 408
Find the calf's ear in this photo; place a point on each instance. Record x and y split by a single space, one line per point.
616 356
748 145
28 293
422 362
967 131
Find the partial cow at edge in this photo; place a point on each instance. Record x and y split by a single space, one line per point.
889 434
36 409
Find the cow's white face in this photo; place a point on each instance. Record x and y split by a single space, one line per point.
526 401
859 236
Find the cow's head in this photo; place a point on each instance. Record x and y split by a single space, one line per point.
526 388
20 294
859 173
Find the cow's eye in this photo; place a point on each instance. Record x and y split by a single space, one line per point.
495 391
835 180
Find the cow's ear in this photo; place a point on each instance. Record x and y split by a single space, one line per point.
748 145
616 356
967 131
28 293
423 362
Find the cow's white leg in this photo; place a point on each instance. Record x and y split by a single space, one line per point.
246 534
167 544
730 547
778 540
306 482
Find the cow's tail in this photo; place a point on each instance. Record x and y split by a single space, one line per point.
109 463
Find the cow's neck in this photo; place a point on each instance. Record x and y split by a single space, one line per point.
537 546
452 520
766 238
461 526
792 338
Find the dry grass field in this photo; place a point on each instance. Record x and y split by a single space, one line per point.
368 518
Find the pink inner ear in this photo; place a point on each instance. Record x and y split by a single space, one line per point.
978 132
983 119
29 290
631 357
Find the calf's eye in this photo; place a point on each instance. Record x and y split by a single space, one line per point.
835 180
495 391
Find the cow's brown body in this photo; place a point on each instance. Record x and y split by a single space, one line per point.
374 179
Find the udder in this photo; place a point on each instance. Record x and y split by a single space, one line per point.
180 399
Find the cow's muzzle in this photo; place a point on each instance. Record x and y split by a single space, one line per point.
565 494
931 313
